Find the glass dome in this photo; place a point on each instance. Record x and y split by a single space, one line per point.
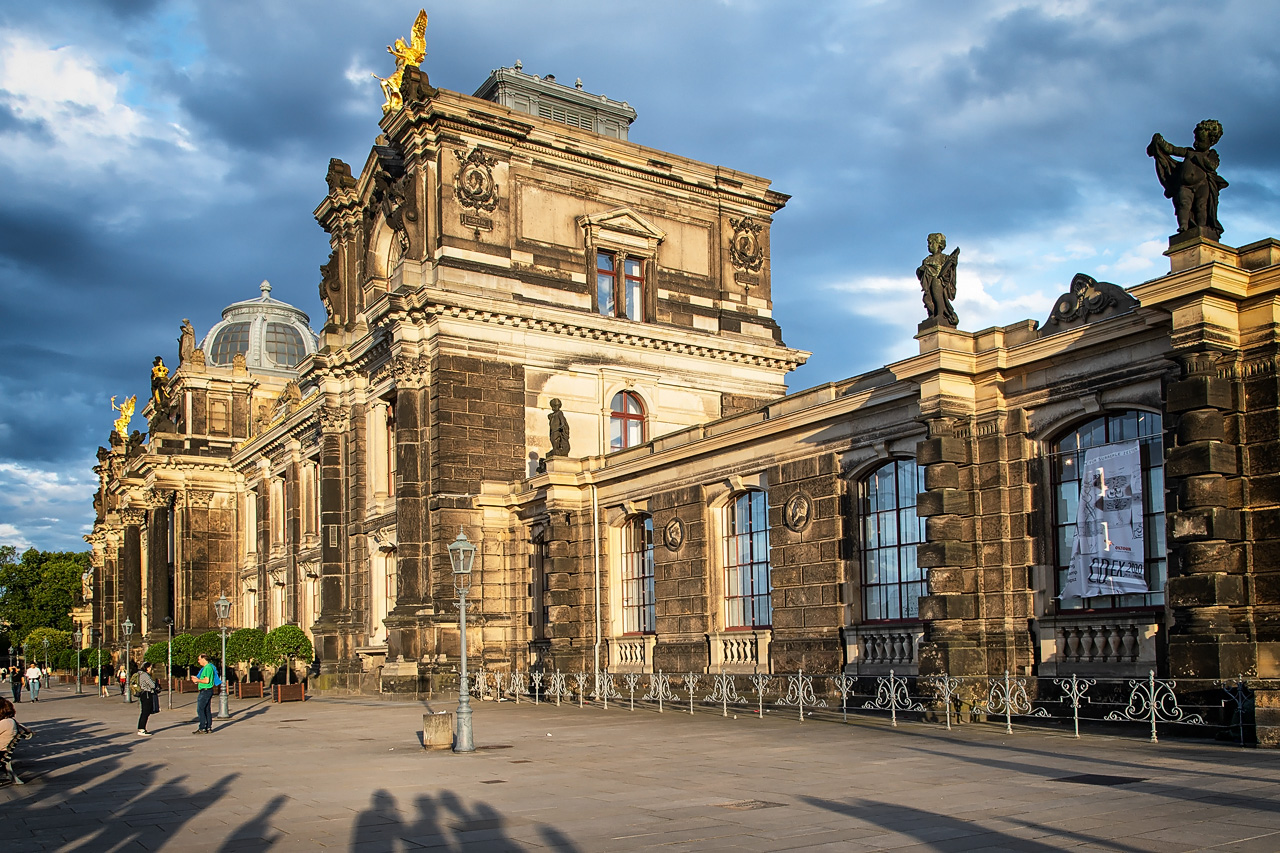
272 335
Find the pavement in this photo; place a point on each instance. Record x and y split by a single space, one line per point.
350 774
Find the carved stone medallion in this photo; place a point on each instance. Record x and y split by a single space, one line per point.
474 185
673 534
796 512
745 249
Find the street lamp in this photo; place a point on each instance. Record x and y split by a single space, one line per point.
46 663
128 659
78 642
168 667
223 606
462 554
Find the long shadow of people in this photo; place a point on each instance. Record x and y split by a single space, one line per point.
257 833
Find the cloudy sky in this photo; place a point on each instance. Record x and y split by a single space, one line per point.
159 159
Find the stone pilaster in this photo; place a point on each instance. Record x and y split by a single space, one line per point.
159 583
333 538
1211 634
131 570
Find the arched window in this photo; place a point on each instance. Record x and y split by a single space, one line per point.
284 345
231 339
1068 459
637 576
892 582
747 586
626 421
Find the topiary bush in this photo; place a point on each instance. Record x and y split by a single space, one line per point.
184 650
157 653
209 643
285 641
245 645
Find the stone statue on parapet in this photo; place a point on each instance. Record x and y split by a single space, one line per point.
559 426
937 275
186 342
1192 182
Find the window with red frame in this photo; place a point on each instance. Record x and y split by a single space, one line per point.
619 286
626 421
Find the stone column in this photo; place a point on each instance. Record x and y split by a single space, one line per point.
954 637
1208 595
333 426
159 589
131 570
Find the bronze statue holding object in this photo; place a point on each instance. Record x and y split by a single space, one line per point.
1192 183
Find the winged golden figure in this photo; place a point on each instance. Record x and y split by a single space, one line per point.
406 55
126 415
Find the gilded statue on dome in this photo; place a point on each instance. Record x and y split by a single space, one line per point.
126 415
406 55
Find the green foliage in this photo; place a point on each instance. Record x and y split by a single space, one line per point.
157 652
209 643
38 589
184 650
58 641
245 645
94 658
284 641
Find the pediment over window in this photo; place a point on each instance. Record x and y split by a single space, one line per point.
623 227
1087 301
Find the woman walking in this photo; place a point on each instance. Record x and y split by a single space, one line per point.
104 681
15 681
148 697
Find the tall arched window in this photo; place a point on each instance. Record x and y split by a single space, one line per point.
626 421
1067 460
748 588
892 582
637 576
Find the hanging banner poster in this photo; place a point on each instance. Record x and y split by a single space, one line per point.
1109 554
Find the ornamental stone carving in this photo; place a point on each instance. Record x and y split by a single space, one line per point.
673 534
797 512
333 419
745 249
199 497
1088 298
474 185
132 517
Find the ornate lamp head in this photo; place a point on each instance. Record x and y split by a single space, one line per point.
462 554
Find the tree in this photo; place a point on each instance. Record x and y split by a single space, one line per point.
157 653
245 645
184 651
284 642
38 589
58 641
209 644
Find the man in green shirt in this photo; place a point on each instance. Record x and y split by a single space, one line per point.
204 698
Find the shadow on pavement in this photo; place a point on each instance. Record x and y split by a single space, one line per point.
445 822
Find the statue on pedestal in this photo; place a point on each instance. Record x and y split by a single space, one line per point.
937 275
559 428
186 342
159 385
1193 182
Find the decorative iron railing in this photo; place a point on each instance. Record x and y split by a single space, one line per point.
1187 707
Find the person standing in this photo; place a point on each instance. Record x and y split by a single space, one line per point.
15 681
148 694
204 698
122 676
104 681
33 682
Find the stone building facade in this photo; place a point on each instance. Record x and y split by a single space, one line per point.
490 258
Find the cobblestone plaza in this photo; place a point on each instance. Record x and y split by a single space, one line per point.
351 774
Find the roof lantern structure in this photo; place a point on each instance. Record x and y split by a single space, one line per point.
273 336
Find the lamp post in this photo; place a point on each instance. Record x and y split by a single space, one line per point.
168 667
223 606
462 554
128 659
46 663
77 641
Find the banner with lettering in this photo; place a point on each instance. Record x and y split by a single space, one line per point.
1109 554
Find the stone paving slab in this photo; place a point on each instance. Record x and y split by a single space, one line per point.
334 774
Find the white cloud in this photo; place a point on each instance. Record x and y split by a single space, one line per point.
41 507
87 121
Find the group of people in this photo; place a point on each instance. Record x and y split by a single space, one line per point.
29 678
147 691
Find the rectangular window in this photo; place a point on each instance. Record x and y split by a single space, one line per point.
892 582
619 286
747 584
638 577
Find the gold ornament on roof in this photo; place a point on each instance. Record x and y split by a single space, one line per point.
126 415
406 55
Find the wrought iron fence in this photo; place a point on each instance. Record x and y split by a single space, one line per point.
1188 707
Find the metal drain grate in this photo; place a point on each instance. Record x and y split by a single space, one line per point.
1099 779
749 805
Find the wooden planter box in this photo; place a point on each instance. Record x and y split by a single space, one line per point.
182 685
290 692
248 689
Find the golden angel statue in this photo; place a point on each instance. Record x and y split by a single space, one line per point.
406 55
126 415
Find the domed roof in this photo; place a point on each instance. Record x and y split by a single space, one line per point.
273 335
